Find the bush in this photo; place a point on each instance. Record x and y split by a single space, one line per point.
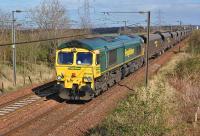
194 43
140 114
188 68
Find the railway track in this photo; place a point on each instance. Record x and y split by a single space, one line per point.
17 105
75 119
63 112
62 115
38 93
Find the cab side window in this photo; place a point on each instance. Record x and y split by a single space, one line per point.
112 57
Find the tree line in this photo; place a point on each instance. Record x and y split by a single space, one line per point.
47 20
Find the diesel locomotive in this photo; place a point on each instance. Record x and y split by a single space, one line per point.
87 67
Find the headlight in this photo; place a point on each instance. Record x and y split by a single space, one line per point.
59 78
87 79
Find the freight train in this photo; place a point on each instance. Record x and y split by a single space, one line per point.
87 67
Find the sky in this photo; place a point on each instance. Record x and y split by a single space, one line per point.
188 11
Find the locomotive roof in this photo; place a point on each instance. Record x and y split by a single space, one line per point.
101 43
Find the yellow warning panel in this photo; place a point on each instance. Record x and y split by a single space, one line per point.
129 52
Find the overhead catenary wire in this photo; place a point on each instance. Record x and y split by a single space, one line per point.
43 40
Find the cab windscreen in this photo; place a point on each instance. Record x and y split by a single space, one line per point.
84 58
65 58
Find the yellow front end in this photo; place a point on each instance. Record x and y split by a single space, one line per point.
77 68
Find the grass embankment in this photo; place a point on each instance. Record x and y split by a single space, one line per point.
27 74
168 107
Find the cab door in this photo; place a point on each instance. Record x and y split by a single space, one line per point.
97 67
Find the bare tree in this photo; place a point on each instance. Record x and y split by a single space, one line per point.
4 25
50 14
4 34
84 13
52 20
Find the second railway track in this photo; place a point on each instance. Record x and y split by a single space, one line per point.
38 93
4 110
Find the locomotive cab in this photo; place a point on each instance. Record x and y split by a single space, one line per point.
76 70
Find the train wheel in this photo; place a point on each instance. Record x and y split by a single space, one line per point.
104 87
123 73
132 68
97 92
160 53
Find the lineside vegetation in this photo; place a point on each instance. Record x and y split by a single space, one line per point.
168 107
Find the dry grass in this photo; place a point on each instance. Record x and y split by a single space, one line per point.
144 113
182 76
194 43
161 110
37 73
186 81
